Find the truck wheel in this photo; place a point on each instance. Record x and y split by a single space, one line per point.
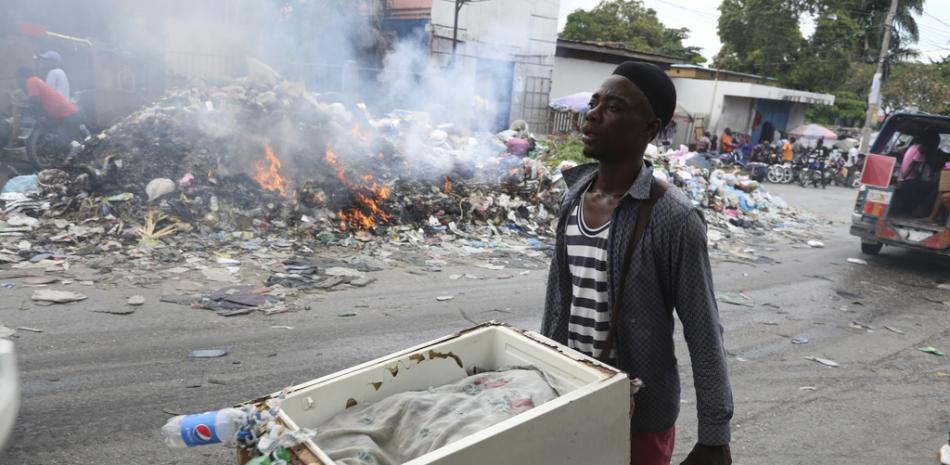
871 248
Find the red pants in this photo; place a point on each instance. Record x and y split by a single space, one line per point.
652 448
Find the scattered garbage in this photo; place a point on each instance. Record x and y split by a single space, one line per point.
816 244
857 261
945 454
207 353
221 426
931 350
861 326
22 184
800 340
824 361
160 187
136 300
443 298
6 332
39 280
807 388
893 329
735 299
115 311
58 297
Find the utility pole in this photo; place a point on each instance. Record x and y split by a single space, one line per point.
455 28
874 96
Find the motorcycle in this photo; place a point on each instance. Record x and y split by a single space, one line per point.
36 137
780 172
839 173
732 158
813 171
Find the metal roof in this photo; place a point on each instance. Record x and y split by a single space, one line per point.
608 49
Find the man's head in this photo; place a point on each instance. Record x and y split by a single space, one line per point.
707 134
49 60
792 139
930 138
627 112
728 132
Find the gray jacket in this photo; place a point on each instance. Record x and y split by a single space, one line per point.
670 270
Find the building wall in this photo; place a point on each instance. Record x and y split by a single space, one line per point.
572 75
522 33
796 116
736 114
716 99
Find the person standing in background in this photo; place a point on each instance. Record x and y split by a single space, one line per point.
49 66
725 141
788 152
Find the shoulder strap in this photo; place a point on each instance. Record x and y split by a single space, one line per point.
657 189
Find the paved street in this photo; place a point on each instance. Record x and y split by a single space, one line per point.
96 387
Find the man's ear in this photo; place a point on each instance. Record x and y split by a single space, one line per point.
653 129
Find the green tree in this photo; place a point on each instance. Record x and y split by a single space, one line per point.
759 36
630 23
849 110
925 86
825 57
870 16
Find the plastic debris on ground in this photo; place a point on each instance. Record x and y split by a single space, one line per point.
824 361
931 350
735 299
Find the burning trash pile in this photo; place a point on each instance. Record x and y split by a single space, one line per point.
275 157
268 170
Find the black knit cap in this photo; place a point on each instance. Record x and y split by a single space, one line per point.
655 85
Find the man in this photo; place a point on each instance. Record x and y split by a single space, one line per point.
49 64
705 143
726 140
629 251
63 115
788 150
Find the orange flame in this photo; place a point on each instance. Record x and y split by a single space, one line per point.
447 186
358 132
354 217
268 177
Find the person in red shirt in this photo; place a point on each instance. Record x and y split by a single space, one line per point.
62 113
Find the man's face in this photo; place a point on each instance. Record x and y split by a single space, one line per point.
620 122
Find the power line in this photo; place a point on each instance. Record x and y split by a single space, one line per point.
705 13
937 19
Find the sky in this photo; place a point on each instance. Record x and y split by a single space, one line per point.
701 17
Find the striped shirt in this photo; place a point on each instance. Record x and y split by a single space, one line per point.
587 258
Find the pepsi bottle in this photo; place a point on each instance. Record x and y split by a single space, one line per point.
219 426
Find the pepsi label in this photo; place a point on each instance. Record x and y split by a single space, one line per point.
198 430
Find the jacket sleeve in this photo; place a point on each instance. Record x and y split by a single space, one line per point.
695 303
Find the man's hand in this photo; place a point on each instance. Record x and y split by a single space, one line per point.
709 455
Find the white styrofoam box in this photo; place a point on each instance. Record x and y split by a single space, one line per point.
589 423
9 389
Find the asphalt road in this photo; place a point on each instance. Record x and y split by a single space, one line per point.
95 385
